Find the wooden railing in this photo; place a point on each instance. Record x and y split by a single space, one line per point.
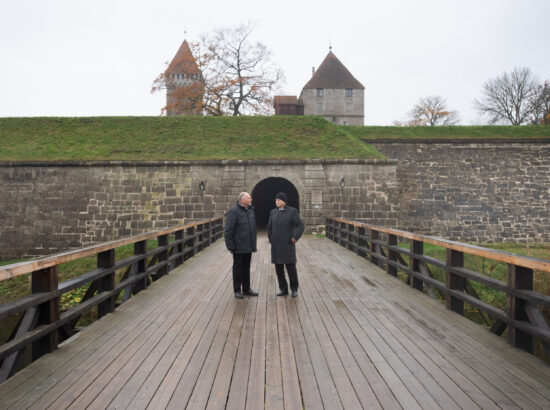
522 316
42 325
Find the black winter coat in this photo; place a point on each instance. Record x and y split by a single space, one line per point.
281 228
240 229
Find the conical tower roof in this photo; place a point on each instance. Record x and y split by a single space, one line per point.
183 62
332 74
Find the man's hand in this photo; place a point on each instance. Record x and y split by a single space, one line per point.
293 240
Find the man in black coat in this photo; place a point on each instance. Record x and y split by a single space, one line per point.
284 229
240 240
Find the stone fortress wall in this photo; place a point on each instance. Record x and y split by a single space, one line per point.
472 192
47 208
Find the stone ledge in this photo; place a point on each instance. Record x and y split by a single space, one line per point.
456 141
358 161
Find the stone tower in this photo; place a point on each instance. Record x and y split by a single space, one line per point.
334 93
184 84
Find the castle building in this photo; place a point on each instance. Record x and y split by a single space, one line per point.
332 92
184 84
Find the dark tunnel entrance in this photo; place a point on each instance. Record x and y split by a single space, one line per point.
263 197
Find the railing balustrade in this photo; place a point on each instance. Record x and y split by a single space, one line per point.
42 325
522 318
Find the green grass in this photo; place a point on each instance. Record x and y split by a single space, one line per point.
176 138
216 138
473 133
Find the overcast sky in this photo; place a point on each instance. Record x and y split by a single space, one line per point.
89 58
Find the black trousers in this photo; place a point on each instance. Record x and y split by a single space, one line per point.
241 271
292 276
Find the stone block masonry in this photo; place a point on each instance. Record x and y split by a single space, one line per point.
482 192
474 192
47 208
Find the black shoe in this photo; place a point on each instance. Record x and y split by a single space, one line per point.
282 293
250 292
239 295
294 293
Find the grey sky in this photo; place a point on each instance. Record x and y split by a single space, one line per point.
88 58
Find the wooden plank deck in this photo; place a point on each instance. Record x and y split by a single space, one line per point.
353 338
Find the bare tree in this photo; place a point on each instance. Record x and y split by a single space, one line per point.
249 73
510 98
237 73
541 112
432 111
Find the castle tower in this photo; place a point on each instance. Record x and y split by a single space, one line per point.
184 84
334 93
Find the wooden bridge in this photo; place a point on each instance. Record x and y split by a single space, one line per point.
355 337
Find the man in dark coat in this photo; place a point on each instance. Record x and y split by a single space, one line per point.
284 229
240 240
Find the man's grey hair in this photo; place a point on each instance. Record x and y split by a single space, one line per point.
242 195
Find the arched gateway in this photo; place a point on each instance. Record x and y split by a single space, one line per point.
263 197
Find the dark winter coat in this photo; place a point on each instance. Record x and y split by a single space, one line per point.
240 229
281 228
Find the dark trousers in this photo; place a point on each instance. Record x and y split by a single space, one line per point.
241 271
292 276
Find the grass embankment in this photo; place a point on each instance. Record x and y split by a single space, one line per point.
176 138
457 132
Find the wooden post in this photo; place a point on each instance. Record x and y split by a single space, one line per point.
220 228
455 282
374 235
179 248
106 260
163 240
361 243
341 226
140 248
417 248
198 240
46 280
351 230
518 277
208 233
392 255
190 243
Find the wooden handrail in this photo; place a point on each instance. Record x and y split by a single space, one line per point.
501 256
44 325
21 268
522 315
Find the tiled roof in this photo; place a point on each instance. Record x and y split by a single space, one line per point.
285 99
332 74
183 62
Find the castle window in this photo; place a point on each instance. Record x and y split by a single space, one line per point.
319 92
349 92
